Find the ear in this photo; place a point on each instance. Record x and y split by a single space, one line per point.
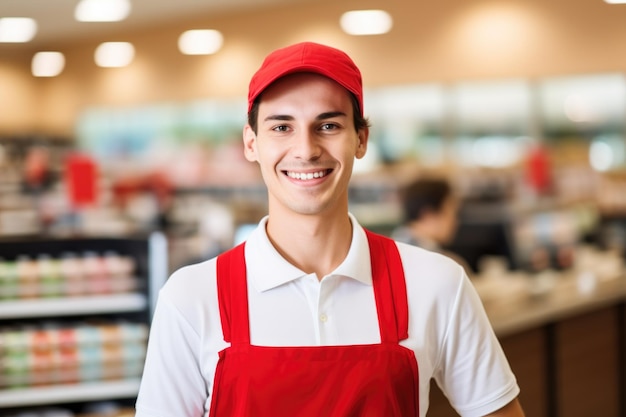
249 144
363 136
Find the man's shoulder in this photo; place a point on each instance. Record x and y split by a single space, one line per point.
190 281
426 257
433 270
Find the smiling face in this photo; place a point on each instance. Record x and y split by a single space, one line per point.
305 145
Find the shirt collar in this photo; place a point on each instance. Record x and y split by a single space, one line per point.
267 269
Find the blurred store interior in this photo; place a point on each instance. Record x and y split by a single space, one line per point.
520 104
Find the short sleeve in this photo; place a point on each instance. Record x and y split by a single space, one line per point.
473 371
172 384
185 341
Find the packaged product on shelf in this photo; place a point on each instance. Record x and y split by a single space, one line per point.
121 270
87 335
14 360
133 353
127 362
111 354
134 332
66 338
15 369
43 360
109 333
97 280
112 361
27 275
49 276
90 362
118 265
123 284
68 364
43 340
58 353
15 340
123 332
42 368
26 269
71 272
67 275
8 279
133 369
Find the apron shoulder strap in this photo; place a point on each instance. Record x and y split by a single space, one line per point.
232 293
389 288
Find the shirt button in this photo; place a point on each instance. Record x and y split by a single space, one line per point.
323 318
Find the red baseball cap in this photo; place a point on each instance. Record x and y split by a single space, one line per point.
308 57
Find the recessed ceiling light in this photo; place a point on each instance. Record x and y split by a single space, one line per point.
366 22
615 1
114 54
17 29
47 64
200 42
102 10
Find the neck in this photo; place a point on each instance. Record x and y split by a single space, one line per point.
314 244
423 233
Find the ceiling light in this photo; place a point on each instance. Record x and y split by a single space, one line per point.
17 29
615 1
200 42
366 22
47 64
114 54
102 10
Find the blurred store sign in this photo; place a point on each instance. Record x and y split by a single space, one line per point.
586 113
583 102
408 122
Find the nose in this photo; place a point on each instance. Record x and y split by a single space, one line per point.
306 146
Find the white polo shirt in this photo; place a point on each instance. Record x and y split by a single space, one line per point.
448 329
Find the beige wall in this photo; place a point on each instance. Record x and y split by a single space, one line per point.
438 41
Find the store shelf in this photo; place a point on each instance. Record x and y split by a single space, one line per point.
112 310
69 393
74 306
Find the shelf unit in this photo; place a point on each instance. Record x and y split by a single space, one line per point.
73 306
151 268
69 393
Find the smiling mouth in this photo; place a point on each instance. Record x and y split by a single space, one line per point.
306 176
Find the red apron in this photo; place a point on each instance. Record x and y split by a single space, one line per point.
331 381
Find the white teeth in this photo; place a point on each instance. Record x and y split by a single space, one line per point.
305 176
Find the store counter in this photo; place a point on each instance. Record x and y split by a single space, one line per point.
564 334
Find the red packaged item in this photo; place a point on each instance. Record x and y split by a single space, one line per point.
81 180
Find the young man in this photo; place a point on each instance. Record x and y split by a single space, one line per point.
313 315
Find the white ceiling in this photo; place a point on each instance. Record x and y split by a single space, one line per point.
55 18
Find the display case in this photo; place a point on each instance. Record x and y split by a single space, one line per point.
74 319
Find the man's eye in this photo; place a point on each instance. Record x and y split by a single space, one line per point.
280 128
329 126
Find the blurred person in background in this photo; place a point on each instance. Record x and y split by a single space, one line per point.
431 209
312 314
38 175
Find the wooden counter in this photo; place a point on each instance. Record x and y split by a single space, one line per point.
565 337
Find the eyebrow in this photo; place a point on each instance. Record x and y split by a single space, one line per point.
321 116
278 117
330 115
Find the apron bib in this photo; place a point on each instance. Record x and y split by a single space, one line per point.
311 381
